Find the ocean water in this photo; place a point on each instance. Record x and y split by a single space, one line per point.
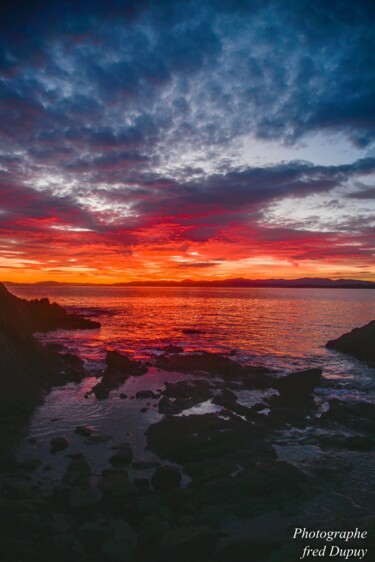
283 329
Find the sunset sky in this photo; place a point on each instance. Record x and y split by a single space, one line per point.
187 139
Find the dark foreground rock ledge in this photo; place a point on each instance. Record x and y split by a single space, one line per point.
360 342
26 366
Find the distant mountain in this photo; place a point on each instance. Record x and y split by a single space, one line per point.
304 282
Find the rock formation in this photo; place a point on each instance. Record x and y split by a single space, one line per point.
360 342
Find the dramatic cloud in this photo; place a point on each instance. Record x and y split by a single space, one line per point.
133 132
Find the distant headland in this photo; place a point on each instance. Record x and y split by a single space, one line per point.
301 283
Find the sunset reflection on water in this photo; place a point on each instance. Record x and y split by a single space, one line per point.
283 328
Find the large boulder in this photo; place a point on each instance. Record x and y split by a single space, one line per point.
119 369
298 384
360 342
120 362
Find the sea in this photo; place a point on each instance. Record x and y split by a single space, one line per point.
283 329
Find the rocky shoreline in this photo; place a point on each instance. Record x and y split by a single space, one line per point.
220 489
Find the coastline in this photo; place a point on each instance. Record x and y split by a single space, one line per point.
221 484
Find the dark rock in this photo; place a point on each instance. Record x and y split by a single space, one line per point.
119 546
358 416
25 365
46 316
183 395
152 531
165 478
16 490
144 465
63 547
350 442
252 491
119 369
298 384
362 409
113 378
123 456
120 362
191 331
82 497
256 378
225 398
59 522
101 391
116 484
29 464
84 430
360 342
143 410
284 411
97 439
188 393
59 444
123 396
211 363
168 406
186 544
200 437
173 349
142 483
78 472
143 394
242 549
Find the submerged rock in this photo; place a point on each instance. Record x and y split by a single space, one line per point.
59 444
360 342
298 384
84 430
